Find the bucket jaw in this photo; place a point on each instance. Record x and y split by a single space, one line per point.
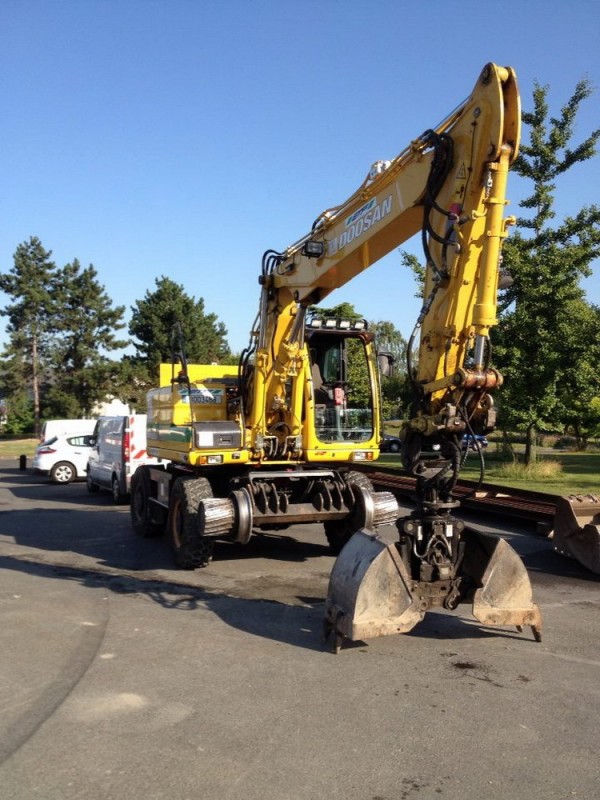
369 592
378 589
504 595
577 529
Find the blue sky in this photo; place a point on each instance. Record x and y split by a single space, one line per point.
186 137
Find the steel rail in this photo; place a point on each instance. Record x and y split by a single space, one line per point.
504 501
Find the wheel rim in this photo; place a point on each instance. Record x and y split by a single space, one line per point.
63 474
115 489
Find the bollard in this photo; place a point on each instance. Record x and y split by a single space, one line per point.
22 462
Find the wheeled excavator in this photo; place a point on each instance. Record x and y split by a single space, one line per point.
279 439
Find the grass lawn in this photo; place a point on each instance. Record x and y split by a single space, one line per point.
568 473
13 448
557 472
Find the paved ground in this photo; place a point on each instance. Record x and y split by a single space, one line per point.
121 677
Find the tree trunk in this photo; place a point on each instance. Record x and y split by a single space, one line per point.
507 449
531 445
35 384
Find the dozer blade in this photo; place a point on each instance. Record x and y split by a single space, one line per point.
504 595
369 591
577 529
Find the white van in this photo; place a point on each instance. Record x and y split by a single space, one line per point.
118 449
60 427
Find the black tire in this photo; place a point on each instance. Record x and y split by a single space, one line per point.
339 532
92 488
117 495
394 447
190 550
360 479
63 472
144 514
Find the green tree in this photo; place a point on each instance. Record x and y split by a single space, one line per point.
86 326
128 379
579 385
86 330
31 314
152 323
341 311
536 343
395 389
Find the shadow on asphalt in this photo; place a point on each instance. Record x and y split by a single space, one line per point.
110 540
299 626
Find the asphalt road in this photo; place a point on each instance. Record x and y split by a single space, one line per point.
121 677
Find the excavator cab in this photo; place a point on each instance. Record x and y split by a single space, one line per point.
340 356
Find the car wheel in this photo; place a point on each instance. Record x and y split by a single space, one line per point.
394 447
142 513
62 472
117 496
91 487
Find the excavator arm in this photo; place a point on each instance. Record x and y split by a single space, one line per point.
450 185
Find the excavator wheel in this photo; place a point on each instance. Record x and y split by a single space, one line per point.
190 551
339 532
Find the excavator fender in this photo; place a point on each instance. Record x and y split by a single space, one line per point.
577 529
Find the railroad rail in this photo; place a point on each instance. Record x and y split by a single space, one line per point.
536 507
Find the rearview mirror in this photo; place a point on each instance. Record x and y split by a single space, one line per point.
385 362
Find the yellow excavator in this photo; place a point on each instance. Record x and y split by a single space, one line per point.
277 440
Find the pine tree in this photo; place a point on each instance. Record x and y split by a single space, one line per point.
86 325
154 317
31 315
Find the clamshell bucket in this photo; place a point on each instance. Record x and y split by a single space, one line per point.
371 592
577 529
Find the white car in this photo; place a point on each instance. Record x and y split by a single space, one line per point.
63 458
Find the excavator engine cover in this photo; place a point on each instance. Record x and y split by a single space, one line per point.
577 529
371 591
